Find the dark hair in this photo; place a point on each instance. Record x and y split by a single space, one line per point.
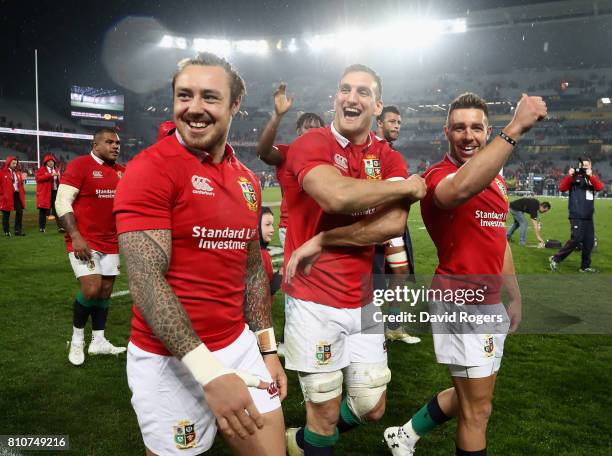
264 210
545 205
465 101
584 159
237 87
366 69
392 109
308 117
100 131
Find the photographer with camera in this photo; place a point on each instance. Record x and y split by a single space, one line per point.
582 185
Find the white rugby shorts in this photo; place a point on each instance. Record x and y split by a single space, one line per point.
320 338
106 264
470 350
172 413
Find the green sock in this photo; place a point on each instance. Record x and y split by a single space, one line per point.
319 440
348 420
86 302
422 422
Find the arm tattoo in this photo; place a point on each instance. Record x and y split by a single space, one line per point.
69 223
147 256
257 300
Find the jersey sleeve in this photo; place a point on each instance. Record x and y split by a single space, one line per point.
394 165
144 197
307 152
282 150
434 176
74 174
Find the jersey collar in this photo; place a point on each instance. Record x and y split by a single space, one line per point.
98 160
345 142
228 154
452 160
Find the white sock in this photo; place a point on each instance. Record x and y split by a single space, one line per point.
97 335
78 334
410 432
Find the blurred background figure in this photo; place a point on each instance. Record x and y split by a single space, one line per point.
47 183
12 195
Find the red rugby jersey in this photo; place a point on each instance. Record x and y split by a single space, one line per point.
470 238
284 179
213 212
341 277
93 206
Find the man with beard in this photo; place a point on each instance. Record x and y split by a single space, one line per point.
202 352
465 211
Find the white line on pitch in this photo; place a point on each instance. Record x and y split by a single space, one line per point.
120 293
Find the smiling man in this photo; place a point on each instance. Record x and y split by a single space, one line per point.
202 353
464 211
341 203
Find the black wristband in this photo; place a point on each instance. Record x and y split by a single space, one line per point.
507 138
273 352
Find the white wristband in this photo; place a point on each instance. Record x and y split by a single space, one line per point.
266 340
397 260
205 367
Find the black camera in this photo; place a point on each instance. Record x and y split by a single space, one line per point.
580 171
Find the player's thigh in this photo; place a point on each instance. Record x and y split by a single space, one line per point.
315 337
267 441
366 342
170 407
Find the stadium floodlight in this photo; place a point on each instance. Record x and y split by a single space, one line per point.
605 100
166 42
222 48
456 25
260 47
177 42
292 46
319 43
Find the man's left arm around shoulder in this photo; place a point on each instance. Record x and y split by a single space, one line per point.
386 223
257 313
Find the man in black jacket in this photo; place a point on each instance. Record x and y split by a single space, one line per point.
582 185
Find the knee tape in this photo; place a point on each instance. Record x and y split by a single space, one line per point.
366 383
321 386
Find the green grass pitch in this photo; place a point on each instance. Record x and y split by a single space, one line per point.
552 395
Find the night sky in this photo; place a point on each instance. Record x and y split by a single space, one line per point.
69 35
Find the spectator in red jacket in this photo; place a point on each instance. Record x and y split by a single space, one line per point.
12 195
47 182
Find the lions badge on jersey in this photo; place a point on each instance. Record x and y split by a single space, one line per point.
489 347
372 167
323 353
248 191
502 188
184 435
